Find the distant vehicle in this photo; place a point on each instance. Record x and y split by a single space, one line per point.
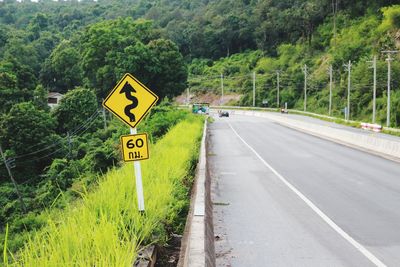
201 108
284 111
223 113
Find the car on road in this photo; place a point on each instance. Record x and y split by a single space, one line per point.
222 113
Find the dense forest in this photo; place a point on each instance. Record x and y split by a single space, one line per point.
82 48
354 31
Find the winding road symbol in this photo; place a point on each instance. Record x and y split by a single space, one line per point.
128 90
130 100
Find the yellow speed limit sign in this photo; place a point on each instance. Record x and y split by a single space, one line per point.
135 147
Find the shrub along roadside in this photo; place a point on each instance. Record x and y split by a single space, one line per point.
91 155
105 228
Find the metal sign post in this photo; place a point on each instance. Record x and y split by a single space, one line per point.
138 178
130 101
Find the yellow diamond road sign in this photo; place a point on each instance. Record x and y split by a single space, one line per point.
130 100
135 147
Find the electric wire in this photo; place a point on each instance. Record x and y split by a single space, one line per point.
78 131
42 157
60 140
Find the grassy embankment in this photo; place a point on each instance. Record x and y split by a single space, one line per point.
105 228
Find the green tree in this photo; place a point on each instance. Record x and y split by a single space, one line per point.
169 73
109 52
25 76
40 95
8 84
75 109
25 130
17 50
37 24
61 71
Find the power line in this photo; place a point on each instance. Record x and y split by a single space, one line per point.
91 118
42 157
76 132
36 145
13 180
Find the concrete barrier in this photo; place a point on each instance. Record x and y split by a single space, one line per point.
371 126
386 148
197 247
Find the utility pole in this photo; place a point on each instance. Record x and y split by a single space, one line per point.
8 167
305 70
104 118
389 59
187 96
335 4
374 90
330 70
222 88
70 144
348 68
254 88
277 87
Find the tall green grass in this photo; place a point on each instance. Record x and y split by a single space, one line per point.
105 228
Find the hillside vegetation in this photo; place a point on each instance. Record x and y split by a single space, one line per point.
105 227
82 48
358 39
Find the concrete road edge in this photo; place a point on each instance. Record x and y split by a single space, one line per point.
197 248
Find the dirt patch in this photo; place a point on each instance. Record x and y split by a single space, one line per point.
168 256
211 98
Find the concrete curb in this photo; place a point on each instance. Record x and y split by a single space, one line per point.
382 147
198 239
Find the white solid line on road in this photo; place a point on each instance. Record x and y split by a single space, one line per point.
335 227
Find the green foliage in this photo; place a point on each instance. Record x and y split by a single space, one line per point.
25 126
62 71
391 18
61 172
109 225
101 158
40 95
75 170
25 77
357 40
8 84
58 46
161 120
109 52
205 75
75 108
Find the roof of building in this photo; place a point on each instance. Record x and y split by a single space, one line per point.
54 94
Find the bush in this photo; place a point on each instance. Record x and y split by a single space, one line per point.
106 228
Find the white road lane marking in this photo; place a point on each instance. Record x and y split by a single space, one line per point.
320 213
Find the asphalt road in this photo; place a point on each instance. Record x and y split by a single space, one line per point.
333 125
285 198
